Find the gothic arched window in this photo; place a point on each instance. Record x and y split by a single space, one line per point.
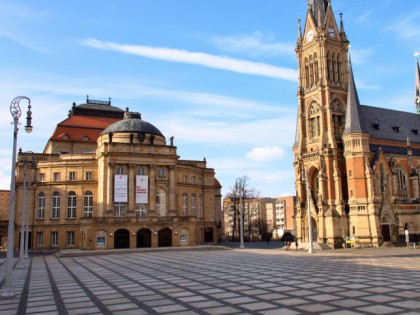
306 73
338 116
316 72
314 121
402 183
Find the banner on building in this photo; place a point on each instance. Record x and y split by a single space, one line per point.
120 188
142 189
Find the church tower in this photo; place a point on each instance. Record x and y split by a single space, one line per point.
322 54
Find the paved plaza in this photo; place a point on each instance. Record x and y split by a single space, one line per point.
235 281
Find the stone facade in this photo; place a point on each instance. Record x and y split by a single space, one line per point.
361 163
108 179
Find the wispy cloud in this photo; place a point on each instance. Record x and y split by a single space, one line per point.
361 56
255 44
197 58
407 27
265 153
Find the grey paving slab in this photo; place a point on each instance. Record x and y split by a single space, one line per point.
250 281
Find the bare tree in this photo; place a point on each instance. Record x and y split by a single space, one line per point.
238 194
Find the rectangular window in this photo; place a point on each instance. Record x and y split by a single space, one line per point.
42 177
70 238
54 238
161 173
119 209
41 206
72 176
39 238
56 177
88 176
100 240
140 171
71 206
120 170
55 213
88 205
193 180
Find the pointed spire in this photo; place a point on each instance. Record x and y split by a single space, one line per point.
354 119
299 30
417 95
318 9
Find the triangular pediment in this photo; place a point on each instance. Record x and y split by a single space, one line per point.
331 28
310 32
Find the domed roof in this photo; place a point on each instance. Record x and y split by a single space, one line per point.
132 125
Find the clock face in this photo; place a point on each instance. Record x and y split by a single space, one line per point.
310 35
331 32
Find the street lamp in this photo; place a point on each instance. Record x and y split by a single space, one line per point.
16 113
241 217
308 202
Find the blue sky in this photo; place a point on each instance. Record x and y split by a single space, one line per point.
219 76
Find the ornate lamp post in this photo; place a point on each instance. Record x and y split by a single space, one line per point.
16 113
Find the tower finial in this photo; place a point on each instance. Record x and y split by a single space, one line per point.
299 30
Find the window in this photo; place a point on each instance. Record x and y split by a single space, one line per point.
42 177
39 238
184 205
140 171
184 179
54 238
161 173
56 177
88 176
120 170
70 238
119 209
193 205
401 183
100 240
71 205
41 206
88 205
193 180
314 123
72 176
55 213
141 210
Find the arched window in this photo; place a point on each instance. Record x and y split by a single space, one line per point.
193 205
329 68
402 183
184 204
339 74
41 206
316 73
311 71
88 205
71 205
55 213
338 113
314 121
333 68
306 73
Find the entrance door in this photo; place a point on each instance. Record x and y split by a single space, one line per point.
386 233
208 235
122 239
165 238
144 238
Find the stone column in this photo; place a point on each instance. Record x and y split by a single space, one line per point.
131 188
172 191
109 186
152 190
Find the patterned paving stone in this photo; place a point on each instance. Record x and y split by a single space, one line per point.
249 281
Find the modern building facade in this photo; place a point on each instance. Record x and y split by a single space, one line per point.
272 215
109 179
360 164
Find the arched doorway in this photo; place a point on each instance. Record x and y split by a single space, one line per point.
208 234
122 239
144 238
165 238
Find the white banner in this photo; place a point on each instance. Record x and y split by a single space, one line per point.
120 188
142 189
